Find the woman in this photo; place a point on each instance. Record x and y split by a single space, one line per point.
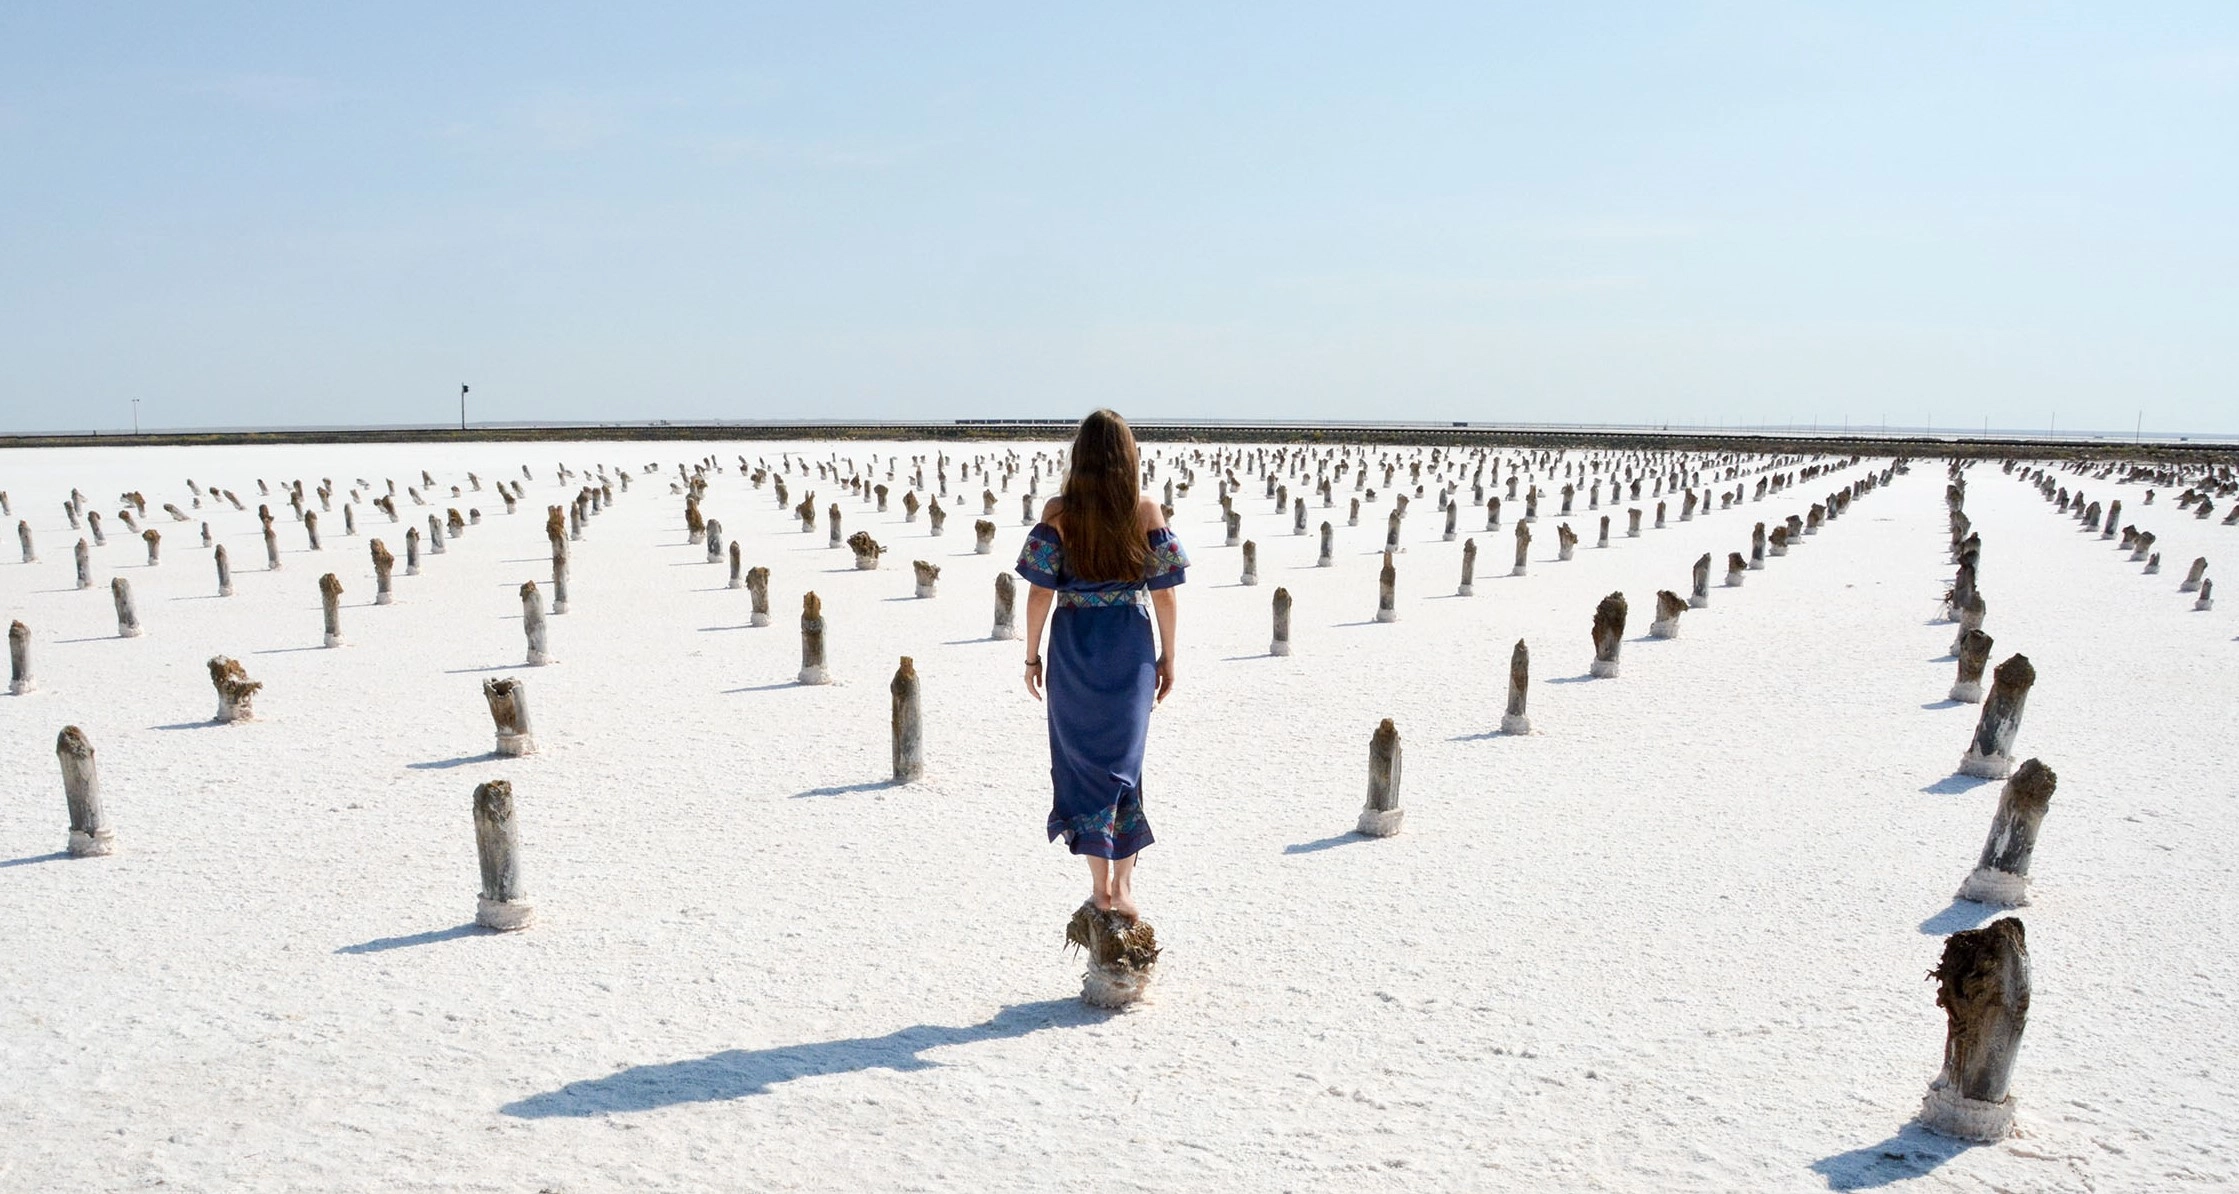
1104 557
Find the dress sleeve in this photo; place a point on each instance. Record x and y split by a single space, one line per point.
1042 560
1168 561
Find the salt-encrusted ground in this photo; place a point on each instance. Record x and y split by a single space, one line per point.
1676 940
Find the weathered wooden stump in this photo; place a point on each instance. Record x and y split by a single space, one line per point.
1387 582
1698 596
1632 523
128 619
90 835
1974 655
1523 546
1757 548
936 516
330 605
2114 516
19 659
2001 876
1353 517
1566 541
738 578
435 536
23 536
1517 720
928 576
2141 546
812 641
1391 529
1737 569
983 537
758 595
504 903
2153 564
508 699
311 529
711 535
1492 513
1982 984
1971 616
832 521
412 551
2193 576
236 691
2207 599
1602 540
1609 635
1468 587
909 728
910 506
93 524
154 539
1669 606
1251 563
1006 602
1990 754
1381 816
1328 556
1448 534
866 550
1776 544
84 557
1122 956
532 625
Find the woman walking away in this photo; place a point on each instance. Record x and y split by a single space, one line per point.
1103 555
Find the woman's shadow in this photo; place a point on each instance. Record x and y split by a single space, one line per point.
736 1073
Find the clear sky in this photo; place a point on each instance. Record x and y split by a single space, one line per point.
1744 213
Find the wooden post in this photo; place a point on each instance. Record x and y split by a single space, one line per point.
812 641
1776 544
504 903
1669 606
1990 755
2199 569
928 576
1381 816
1982 984
128 620
1251 563
758 592
1609 635
832 523
1122 956
154 540
1971 616
23 535
311 528
1468 586
2001 876
90 835
910 506
909 730
2207 599
2153 562
713 537
1523 545
350 518
738 578
2114 515
236 691
1632 523
983 537
1006 600
1517 720
1387 582
330 603
532 625
1603 541
1757 548
19 659
1452 508
93 524
509 710
1298 519
1566 541
412 551
84 556
1974 655
1737 568
935 515
1492 513
1698 597
866 549
1391 530
560 557
1353 517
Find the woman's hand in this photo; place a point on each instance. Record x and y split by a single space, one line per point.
1034 678
1165 677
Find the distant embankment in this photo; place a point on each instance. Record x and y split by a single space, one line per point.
1532 435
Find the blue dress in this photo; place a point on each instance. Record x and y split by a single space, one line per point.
1101 673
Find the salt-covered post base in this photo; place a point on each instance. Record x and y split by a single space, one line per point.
505 916
1122 956
1518 570
759 618
515 745
1515 723
1985 766
2000 889
1279 647
100 843
1698 601
1605 669
1663 628
1967 692
1380 822
1946 1112
815 675
1734 577
1387 615
1466 591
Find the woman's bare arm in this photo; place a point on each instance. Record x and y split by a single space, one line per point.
1037 615
1166 609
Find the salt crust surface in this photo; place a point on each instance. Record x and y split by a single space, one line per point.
1673 940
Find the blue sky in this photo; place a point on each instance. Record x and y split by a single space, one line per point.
1731 213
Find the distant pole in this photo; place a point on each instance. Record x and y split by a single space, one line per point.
136 416
2139 432
462 408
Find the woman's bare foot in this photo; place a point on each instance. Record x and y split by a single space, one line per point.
1123 906
1100 901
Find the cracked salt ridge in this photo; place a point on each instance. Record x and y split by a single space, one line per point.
1606 893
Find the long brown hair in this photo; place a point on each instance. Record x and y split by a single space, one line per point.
1100 502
